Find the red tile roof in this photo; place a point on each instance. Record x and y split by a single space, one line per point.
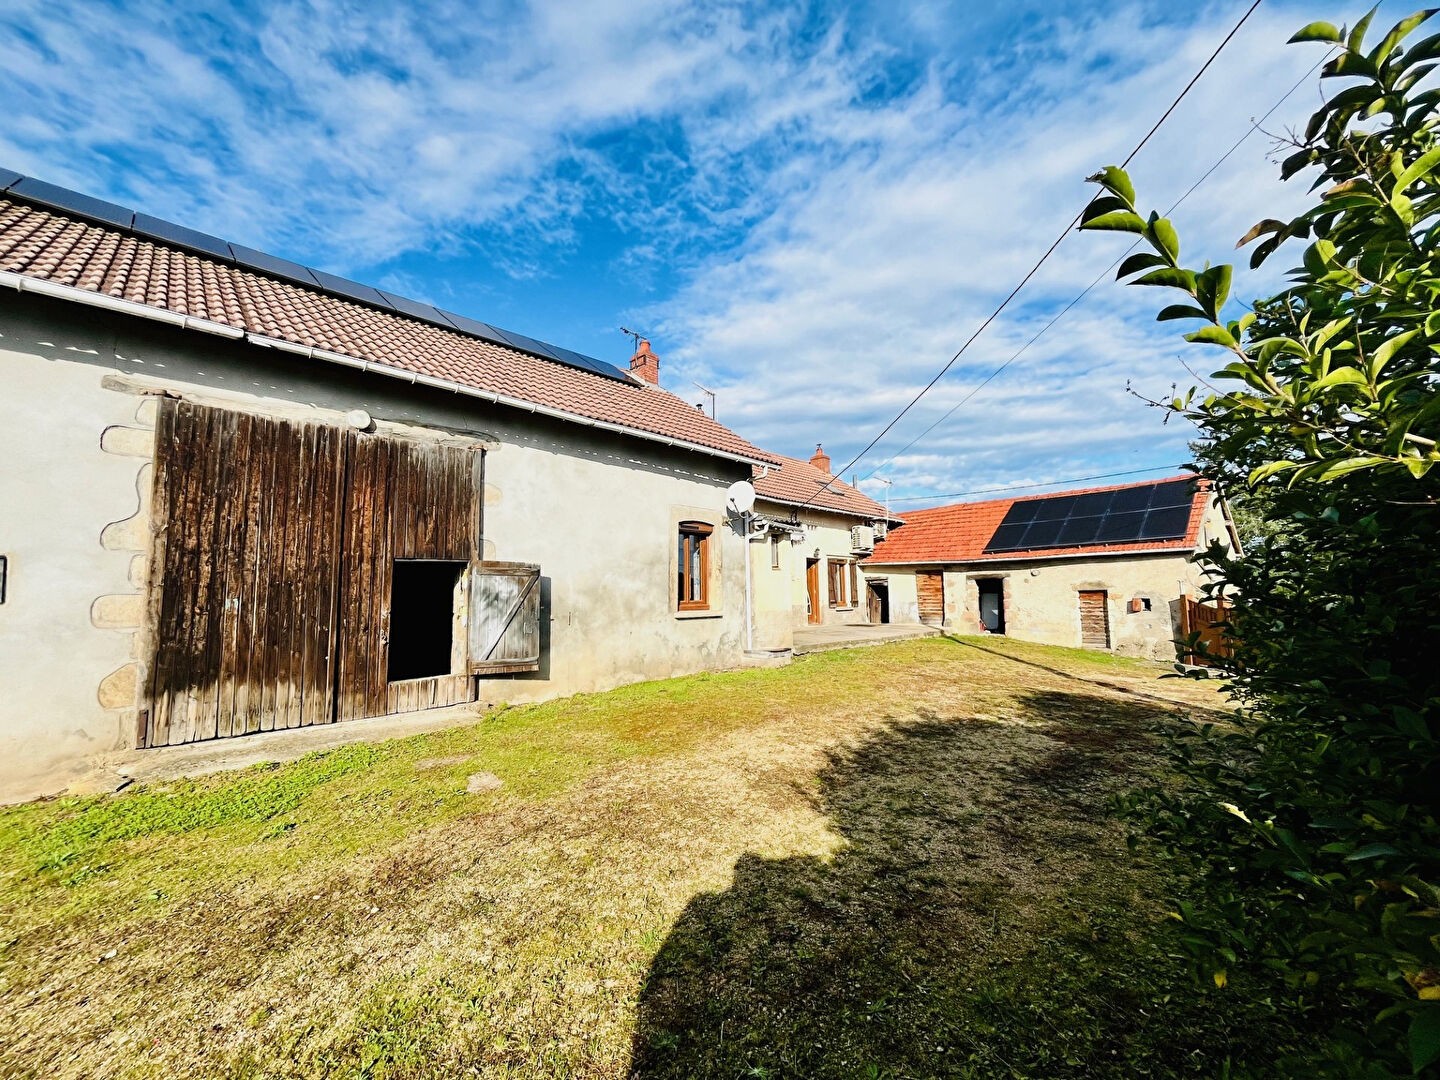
959 533
54 247
797 482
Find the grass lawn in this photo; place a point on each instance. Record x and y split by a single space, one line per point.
894 861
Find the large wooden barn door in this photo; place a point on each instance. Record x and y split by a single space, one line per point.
243 573
273 552
411 502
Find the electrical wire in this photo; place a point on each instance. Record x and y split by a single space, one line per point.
1254 127
1052 483
1039 263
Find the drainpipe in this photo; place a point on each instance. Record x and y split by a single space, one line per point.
749 606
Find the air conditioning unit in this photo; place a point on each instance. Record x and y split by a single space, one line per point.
862 538
881 529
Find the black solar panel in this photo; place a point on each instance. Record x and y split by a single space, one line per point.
72 201
414 308
8 177
350 289
187 238
1144 512
270 264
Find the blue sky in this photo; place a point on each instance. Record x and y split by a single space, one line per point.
806 207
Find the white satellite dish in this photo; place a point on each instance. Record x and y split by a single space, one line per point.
740 497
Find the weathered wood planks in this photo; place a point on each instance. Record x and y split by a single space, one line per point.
272 546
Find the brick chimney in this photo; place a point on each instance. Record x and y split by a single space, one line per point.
645 364
820 459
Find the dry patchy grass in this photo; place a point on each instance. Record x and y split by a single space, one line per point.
862 864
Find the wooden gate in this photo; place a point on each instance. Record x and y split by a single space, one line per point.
272 548
1094 619
930 594
1214 645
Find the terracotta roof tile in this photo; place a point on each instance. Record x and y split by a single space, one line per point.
959 533
45 244
797 482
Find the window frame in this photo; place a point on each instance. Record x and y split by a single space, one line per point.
697 533
842 576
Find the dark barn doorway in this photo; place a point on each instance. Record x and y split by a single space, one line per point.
424 601
877 600
992 604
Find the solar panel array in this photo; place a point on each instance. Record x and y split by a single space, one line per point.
1142 513
166 232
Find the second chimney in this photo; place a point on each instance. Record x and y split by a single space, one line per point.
645 364
820 459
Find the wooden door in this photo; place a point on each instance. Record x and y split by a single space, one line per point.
245 537
813 613
272 548
1094 619
930 593
403 500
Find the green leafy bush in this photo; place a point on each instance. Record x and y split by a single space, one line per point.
1310 825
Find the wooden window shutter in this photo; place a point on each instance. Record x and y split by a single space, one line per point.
504 617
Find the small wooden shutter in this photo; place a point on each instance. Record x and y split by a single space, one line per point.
1094 619
504 617
930 591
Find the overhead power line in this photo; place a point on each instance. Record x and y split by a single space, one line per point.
1039 263
1052 483
1254 127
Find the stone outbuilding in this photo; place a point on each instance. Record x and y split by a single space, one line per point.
1103 568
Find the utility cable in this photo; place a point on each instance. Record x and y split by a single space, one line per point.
1039 263
1254 127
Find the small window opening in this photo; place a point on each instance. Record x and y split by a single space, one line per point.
1145 602
774 553
423 601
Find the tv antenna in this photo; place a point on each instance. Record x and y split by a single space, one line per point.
634 335
710 394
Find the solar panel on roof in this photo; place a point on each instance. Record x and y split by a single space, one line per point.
270 264
8 177
1144 512
169 232
351 289
72 201
415 308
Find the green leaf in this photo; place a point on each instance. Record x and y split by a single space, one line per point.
1212 335
1163 233
1116 221
1345 376
1386 352
1117 181
1104 204
1221 276
1166 275
1425 1038
1260 228
1141 260
1398 33
1357 36
1180 311
1420 167
1316 31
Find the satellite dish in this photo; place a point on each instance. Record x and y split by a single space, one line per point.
740 497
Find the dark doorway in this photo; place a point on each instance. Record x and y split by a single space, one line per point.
877 600
422 618
992 604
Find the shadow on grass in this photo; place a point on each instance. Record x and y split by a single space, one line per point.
984 918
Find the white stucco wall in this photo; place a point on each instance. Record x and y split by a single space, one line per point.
826 535
596 511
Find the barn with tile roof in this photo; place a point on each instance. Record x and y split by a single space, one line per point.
244 495
1104 568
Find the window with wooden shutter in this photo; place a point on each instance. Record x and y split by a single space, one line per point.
504 617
